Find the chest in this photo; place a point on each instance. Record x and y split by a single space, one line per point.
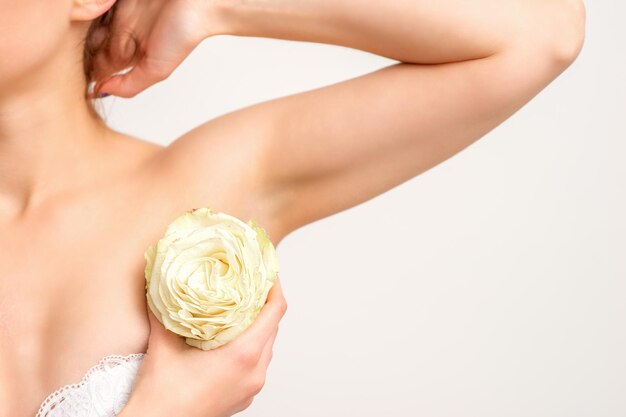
72 290
69 295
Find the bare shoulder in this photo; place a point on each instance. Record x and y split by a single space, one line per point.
218 165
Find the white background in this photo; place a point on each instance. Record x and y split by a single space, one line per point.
492 285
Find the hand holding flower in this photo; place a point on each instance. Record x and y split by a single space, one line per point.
212 279
175 379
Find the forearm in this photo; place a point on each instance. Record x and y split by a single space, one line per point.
415 31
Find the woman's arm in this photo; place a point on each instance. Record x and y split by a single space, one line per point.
334 147
412 31
466 67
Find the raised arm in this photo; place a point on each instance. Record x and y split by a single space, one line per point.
334 147
466 66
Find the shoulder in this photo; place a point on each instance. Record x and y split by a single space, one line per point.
219 165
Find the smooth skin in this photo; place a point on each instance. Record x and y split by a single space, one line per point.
79 202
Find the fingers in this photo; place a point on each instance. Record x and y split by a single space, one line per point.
147 72
259 332
113 51
258 375
268 351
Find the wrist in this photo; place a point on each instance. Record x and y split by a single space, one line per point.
218 17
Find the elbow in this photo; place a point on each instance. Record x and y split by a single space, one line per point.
551 35
566 36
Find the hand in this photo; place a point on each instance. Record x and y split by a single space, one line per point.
152 37
175 379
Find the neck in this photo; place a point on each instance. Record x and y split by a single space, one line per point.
50 138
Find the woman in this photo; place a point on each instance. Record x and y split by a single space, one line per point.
80 202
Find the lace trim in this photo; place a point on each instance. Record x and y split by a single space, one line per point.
58 395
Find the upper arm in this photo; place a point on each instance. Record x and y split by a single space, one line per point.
312 154
340 145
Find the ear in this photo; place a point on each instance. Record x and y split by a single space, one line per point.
89 9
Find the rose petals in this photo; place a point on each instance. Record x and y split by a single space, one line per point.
209 275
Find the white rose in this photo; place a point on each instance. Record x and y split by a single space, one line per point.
208 277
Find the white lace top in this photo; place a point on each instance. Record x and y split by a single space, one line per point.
102 392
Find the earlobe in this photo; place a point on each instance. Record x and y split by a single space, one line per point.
90 9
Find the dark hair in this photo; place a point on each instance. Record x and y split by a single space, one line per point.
91 49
